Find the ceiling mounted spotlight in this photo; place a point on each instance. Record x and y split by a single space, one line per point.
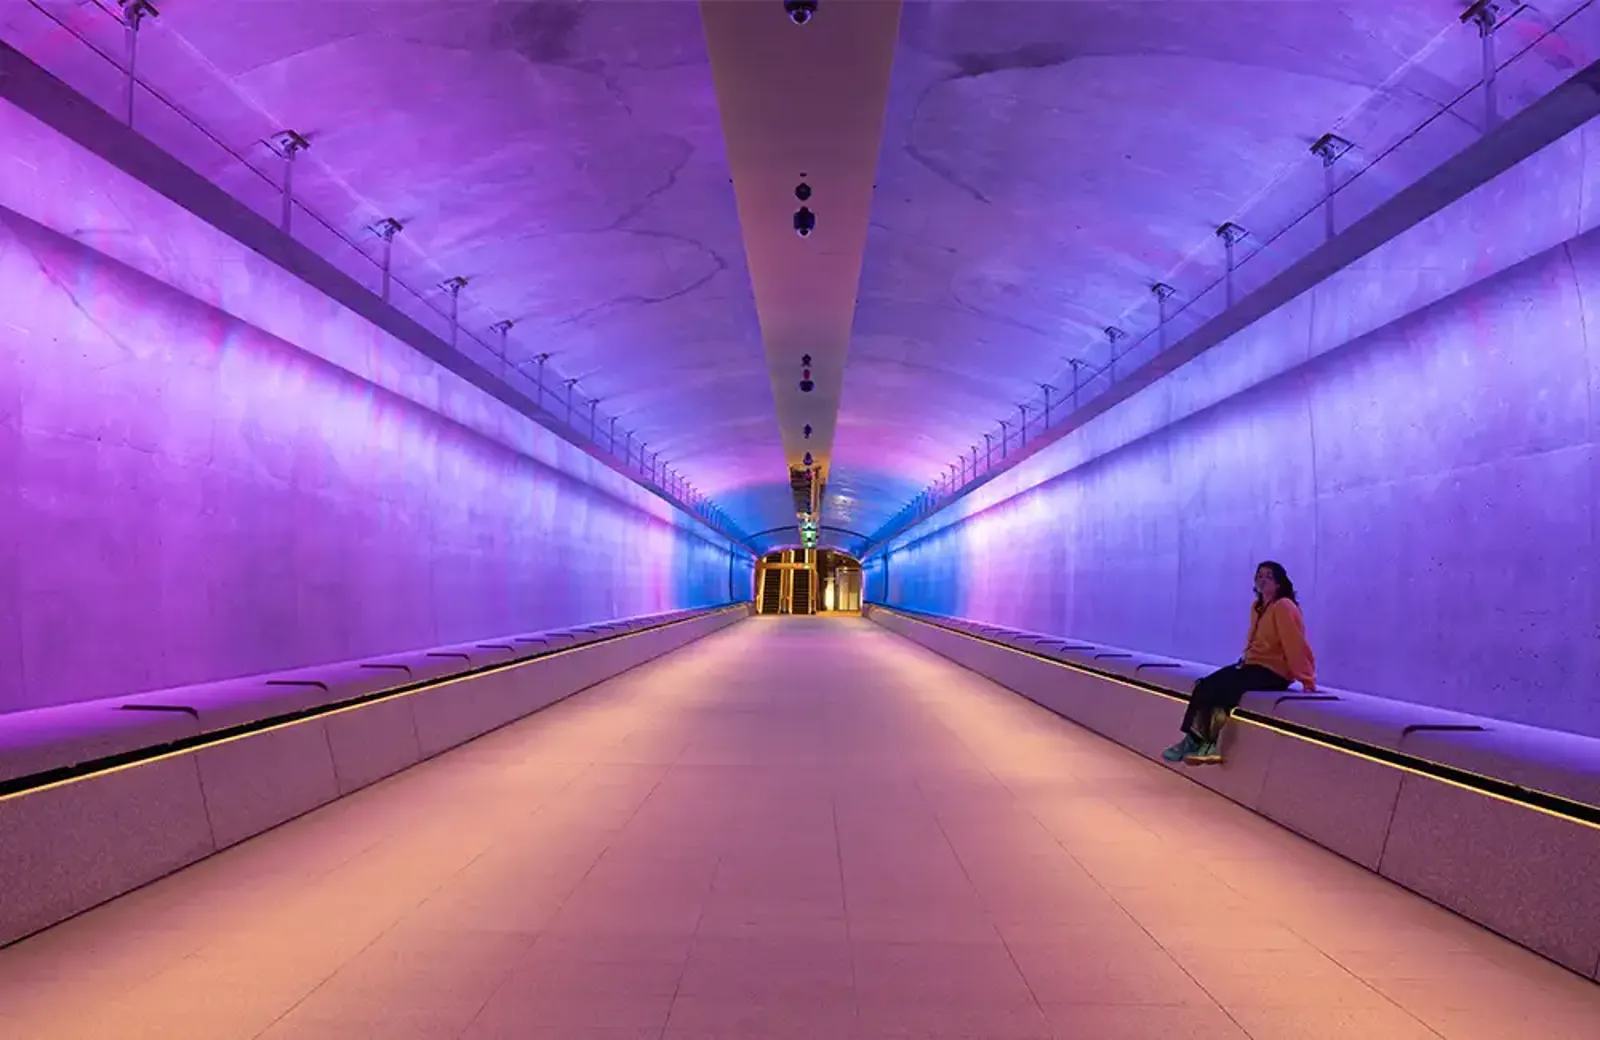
1330 148
1231 233
135 11
807 431
800 11
288 143
806 385
805 221
802 191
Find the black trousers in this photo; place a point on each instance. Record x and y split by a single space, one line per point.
1223 689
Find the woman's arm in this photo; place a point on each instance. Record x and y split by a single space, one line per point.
1292 632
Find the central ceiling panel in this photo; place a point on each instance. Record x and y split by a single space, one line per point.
1044 164
802 104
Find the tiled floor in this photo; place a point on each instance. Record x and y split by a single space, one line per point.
794 829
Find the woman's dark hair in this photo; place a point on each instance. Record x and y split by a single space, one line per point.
1279 575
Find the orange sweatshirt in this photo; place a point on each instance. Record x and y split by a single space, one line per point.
1278 641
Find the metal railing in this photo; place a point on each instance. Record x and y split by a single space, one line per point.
118 33
1344 182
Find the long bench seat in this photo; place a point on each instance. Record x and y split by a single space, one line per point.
1496 820
99 797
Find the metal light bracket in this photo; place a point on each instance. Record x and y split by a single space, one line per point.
1231 233
136 11
1330 148
288 143
1485 14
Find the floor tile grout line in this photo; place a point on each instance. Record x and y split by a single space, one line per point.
844 901
688 955
1133 829
1386 998
589 767
1011 954
982 760
387 930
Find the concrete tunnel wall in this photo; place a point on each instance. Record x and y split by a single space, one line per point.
208 469
1415 439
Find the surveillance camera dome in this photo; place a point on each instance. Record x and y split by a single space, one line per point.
800 11
805 221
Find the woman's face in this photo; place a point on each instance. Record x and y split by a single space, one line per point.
1266 585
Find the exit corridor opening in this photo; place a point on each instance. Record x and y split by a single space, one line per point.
808 581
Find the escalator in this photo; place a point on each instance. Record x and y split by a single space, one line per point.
800 595
772 592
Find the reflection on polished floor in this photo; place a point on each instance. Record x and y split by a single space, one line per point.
729 843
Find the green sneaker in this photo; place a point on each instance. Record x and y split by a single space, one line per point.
1206 754
1183 748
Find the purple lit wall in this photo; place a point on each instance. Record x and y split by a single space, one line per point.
207 469
1416 439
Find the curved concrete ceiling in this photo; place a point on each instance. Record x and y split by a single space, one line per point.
995 181
1043 164
566 158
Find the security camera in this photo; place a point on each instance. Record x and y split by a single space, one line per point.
800 11
805 221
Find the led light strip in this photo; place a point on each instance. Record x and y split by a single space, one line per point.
50 779
1562 808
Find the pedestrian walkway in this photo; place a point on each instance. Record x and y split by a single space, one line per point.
804 829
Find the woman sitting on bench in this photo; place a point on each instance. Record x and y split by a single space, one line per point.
1276 654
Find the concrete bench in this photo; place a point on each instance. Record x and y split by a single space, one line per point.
214 764
1316 763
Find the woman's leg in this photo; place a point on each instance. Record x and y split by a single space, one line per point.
1223 699
1201 702
1208 692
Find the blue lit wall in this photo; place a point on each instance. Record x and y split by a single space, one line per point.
1416 439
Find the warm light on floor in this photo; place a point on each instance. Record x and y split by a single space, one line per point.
887 847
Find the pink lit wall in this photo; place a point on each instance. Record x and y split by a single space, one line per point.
207 469
1416 439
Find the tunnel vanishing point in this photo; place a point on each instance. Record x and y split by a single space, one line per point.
799 519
